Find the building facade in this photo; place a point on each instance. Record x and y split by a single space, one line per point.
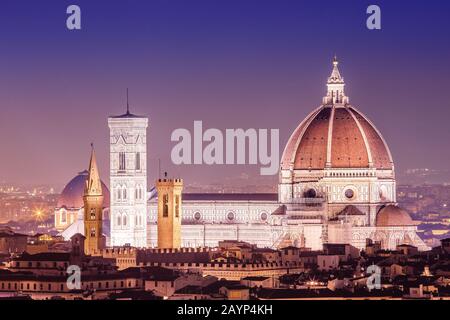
336 185
169 212
128 179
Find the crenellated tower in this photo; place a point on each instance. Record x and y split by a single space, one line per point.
169 212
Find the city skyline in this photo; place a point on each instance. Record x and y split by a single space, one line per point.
56 97
204 150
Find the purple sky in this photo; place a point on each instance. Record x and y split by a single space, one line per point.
231 64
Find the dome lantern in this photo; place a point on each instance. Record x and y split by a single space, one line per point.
335 87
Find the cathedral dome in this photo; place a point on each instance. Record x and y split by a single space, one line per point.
336 135
72 194
393 216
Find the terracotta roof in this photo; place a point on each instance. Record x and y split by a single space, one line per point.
230 197
390 216
351 210
44 256
354 141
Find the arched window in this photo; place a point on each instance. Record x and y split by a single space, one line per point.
119 194
177 206
118 220
138 161
124 193
121 161
63 217
92 213
124 220
165 205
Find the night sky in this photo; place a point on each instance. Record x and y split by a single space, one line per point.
231 64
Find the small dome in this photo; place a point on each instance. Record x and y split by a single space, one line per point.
72 194
393 216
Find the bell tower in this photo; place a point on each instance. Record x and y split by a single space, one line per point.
93 209
128 179
169 213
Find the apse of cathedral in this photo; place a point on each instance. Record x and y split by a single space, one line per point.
336 185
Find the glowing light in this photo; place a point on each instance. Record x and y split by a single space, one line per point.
39 214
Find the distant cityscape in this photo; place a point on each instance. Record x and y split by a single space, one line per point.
30 210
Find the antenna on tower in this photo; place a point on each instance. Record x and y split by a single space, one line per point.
128 105
159 168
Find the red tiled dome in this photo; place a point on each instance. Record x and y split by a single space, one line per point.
392 216
72 194
342 136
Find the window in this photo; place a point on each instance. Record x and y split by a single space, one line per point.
264 216
177 206
119 194
92 213
63 217
121 161
124 220
118 220
138 192
165 205
310 193
124 193
138 161
349 194
93 232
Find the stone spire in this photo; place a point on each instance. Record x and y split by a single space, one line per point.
93 182
335 86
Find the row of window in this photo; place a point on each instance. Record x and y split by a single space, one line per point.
62 287
230 216
123 162
166 205
122 194
122 220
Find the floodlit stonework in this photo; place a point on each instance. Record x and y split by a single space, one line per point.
128 179
336 176
336 185
169 213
